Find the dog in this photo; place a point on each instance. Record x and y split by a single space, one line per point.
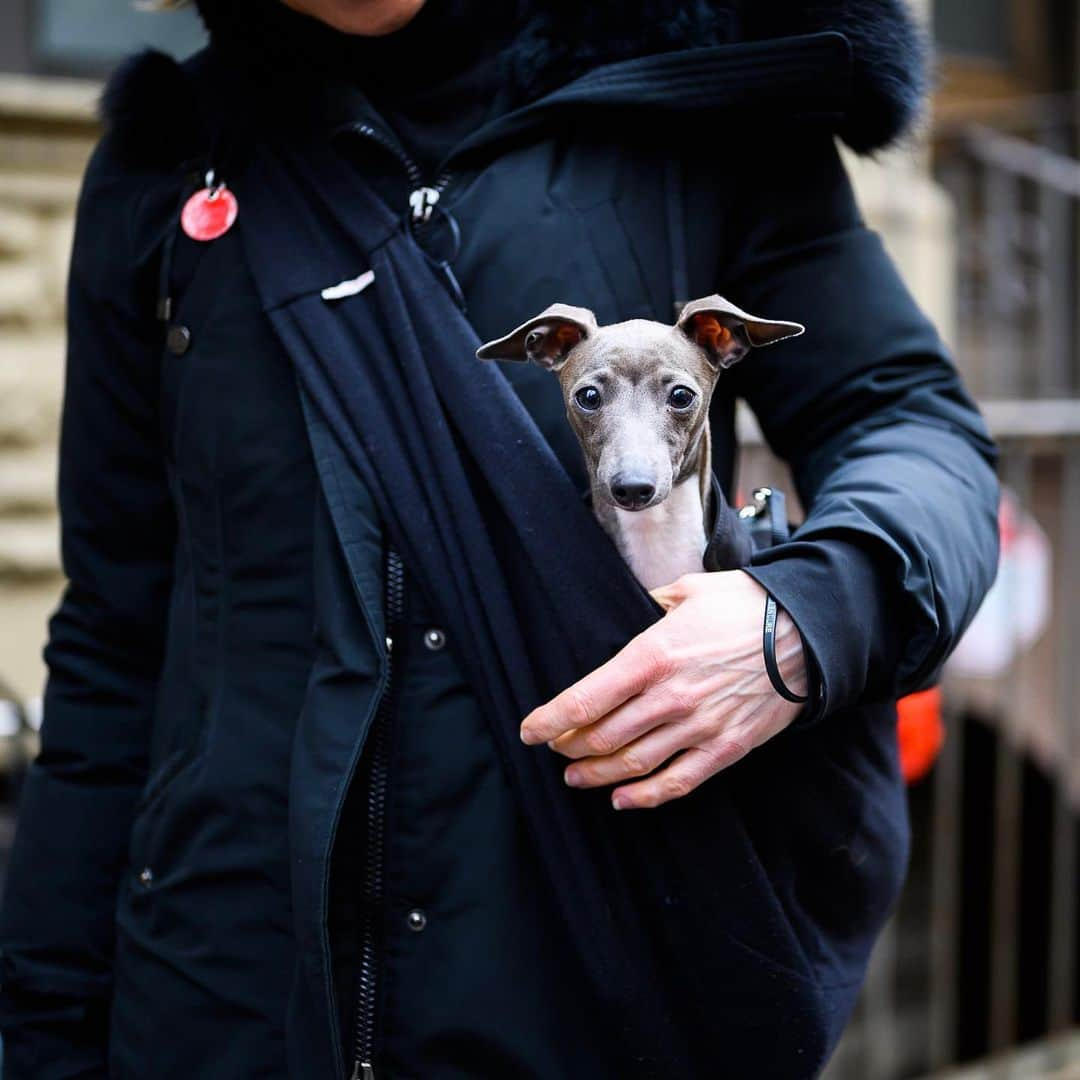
637 395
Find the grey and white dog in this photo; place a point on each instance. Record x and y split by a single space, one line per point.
637 395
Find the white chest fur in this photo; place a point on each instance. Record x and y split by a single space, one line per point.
665 541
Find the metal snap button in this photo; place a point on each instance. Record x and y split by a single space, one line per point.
146 876
434 639
416 920
178 339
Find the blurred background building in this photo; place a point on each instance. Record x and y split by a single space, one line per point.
978 973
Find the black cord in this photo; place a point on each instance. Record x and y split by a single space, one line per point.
769 649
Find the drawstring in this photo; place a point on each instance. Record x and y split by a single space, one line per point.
441 265
208 175
164 306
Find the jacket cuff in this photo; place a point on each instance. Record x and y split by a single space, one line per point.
838 597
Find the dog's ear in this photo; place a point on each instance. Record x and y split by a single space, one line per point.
727 333
545 339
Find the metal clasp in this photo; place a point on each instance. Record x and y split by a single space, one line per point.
423 200
759 504
213 190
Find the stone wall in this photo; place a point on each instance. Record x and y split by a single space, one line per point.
47 129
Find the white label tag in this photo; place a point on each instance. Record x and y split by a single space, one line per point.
350 287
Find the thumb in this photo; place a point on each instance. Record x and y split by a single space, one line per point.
670 596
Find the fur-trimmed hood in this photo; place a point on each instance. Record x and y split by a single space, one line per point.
548 44
890 50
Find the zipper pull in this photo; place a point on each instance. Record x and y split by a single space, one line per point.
363 1070
422 200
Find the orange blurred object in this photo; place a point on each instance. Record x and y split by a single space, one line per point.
920 732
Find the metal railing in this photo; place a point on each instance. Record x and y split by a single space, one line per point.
981 955
1014 180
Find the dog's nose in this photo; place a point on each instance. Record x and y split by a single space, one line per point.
632 492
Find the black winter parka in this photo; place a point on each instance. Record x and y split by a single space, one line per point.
195 839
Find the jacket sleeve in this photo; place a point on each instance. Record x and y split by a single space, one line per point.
104 652
889 454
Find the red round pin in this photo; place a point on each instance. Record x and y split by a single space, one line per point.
209 213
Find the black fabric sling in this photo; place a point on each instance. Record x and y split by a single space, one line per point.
479 508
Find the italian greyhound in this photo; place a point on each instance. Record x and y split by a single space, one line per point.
637 395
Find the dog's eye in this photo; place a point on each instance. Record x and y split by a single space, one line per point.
588 399
681 398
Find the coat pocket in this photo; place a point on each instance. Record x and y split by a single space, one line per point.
190 686
156 816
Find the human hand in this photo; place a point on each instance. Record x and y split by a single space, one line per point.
692 685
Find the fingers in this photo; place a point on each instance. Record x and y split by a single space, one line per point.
628 673
635 759
685 773
656 706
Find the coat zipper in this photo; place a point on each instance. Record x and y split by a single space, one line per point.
422 197
377 783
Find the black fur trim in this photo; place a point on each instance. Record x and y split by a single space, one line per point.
565 38
149 111
892 73
149 108
890 50
891 54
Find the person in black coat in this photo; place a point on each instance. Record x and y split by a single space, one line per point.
251 845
